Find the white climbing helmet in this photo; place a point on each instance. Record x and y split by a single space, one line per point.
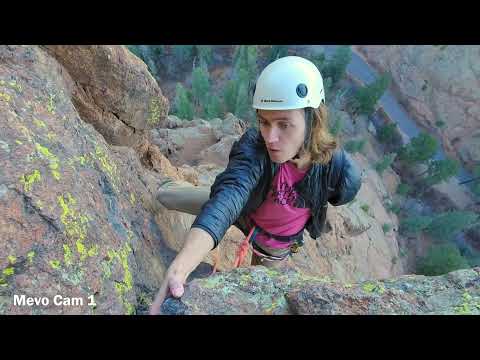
290 82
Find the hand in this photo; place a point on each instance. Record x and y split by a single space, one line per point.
172 285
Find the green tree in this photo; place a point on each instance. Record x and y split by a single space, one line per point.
200 86
230 96
183 53
387 133
204 53
336 67
136 51
440 123
237 94
183 105
441 259
386 228
242 103
383 164
441 170
366 97
213 108
419 149
394 208
403 189
320 62
336 125
446 225
277 51
355 146
414 225
158 50
245 59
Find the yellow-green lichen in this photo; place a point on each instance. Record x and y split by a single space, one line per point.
370 287
39 204
85 159
75 223
154 111
348 285
467 305
5 97
107 165
30 256
55 264
51 103
28 180
93 251
212 282
19 142
8 271
51 136
127 283
53 160
11 84
245 279
272 272
67 255
106 271
39 123
132 198
11 259
25 132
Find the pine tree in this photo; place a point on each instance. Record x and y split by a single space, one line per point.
213 109
441 170
204 53
415 224
200 86
276 52
336 67
420 149
446 225
366 97
387 160
387 133
183 105
441 259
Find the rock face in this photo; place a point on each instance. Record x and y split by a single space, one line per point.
77 210
260 291
198 142
112 90
76 217
437 83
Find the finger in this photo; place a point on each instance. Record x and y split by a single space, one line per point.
157 303
176 288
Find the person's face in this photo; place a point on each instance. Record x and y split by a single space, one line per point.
283 132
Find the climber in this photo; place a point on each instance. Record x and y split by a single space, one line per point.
278 181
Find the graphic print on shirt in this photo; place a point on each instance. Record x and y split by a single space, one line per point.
286 195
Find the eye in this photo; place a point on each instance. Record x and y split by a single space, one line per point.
283 126
262 122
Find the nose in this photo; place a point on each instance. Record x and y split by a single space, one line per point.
271 136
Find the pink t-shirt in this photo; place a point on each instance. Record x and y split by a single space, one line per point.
282 213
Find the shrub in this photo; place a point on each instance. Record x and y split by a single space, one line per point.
441 259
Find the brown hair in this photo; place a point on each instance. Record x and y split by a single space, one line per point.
321 143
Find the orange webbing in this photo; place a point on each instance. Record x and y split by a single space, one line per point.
243 249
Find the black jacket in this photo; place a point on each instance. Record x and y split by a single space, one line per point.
244 185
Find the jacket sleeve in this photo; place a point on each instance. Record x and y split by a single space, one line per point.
349 180
232 188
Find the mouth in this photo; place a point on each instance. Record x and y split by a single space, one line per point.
273 150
